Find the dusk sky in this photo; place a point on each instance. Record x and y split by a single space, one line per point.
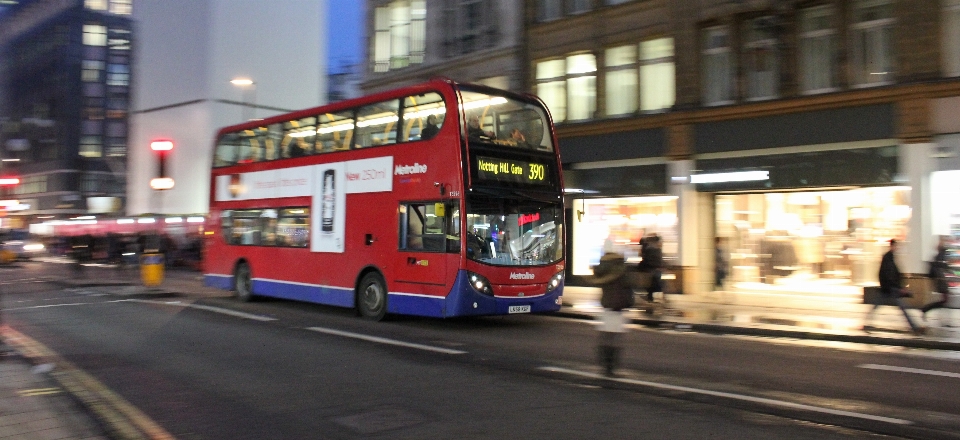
345 33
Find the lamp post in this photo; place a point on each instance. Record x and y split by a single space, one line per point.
248 86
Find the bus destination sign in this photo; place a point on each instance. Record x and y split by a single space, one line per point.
509 170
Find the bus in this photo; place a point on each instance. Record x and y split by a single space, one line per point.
440 199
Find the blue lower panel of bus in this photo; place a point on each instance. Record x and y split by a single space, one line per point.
462 300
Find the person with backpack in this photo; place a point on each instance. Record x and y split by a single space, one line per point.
651 254
939 270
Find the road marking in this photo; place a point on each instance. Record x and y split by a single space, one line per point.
380 340
742 397
48 306
38 392
910 370
203 307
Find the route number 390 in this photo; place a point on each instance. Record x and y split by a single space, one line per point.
536 172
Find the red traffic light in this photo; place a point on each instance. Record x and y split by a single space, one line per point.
9 181
162 145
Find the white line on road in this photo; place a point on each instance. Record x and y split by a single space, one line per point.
910 370
380 340
742 397
47 306
203 307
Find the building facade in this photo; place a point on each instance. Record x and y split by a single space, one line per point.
189 52
411 41
798 136
64 111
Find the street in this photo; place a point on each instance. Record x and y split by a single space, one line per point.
208 367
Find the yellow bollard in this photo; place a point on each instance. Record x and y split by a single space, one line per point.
151 269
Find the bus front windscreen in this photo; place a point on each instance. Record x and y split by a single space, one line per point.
514 231
506 122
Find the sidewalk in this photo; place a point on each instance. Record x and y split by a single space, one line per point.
812 317
33 407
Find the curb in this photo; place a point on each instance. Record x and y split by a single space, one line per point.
720 329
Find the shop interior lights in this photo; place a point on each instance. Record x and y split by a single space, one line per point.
739 176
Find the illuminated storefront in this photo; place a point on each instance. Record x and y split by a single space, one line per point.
810 241
618 224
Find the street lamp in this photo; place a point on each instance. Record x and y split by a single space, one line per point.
250 87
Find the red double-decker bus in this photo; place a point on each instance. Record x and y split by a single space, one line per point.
440 199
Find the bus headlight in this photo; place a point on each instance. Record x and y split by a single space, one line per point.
555 281
480 283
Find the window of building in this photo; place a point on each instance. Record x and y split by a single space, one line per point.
96 5
399 35
499 82
579 6
761 58
871 48
551 87
951 37
549 9
94 35
92 70
121 7
621 80
817 49
718 67
31 185
91 146
118 75
657 75
468 26
119 39
116 147
581 86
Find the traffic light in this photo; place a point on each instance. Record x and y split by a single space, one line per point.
163 148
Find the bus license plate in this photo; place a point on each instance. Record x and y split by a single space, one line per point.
519 309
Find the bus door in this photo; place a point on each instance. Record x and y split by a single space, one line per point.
428 239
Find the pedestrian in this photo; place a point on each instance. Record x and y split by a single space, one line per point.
891 281
431 129
616 295
939 270
651 262
719 265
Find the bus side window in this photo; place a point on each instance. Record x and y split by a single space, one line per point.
226 226
227 148
293 227
272 142
423 115
377 124
298 137
335 131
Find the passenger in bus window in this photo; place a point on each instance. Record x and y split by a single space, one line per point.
431 129
474 131
517 136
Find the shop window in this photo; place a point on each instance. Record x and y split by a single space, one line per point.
718 67
817 49
621 80
335 131
377 124
430 227
94 35
824 241
951 37
657 75
423 116
871 46
761 59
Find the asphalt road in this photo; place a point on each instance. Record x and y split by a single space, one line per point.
213 368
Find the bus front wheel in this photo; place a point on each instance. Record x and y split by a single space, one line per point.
372 297
242 283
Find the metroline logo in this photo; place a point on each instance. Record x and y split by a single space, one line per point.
416 168
521 276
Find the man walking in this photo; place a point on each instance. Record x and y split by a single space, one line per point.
890 281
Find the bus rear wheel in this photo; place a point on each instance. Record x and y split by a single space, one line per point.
242 283
372 297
